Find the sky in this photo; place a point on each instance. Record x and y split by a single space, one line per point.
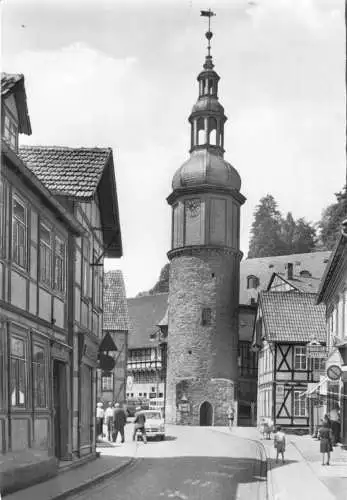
122 74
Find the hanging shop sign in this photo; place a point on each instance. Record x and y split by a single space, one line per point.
106 363
334 372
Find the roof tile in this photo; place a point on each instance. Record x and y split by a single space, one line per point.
116 316
292 317
67 171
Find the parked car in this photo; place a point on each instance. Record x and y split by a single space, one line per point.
155 424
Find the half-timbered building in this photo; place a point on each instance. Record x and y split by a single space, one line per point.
285 323
58 219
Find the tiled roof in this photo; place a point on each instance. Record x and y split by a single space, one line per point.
116 317
292 317
145 314
67 171
264 267
9 81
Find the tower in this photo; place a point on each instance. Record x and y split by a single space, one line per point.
204 268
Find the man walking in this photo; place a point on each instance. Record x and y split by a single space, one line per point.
140 421
109 420
119 421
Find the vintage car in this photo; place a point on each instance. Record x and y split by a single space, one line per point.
155 424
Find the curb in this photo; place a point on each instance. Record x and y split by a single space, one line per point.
95 480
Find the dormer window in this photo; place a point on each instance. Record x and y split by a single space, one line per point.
305 274
252 282
10 131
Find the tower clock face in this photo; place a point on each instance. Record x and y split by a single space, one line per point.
193 207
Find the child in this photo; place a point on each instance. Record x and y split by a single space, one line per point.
280 443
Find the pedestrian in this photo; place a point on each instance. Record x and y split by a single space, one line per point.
140 420
334 416
325 445
327 420
119 421
279 443
109 420
231 416
100 414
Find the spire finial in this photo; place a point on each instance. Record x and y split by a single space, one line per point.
208 13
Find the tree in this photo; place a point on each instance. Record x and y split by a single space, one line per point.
162 285
332 216
266 229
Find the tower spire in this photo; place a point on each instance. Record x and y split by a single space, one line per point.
208 62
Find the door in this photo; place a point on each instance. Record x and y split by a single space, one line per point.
206 414
60 409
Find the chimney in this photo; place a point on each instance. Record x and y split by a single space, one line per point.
290 271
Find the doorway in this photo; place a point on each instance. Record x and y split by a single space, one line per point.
60 409
206 414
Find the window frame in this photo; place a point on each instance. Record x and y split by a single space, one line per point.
107 387
60 288
13 357
302 355
301 400
85 271
3 217
10 131
24 224
46 250
44 378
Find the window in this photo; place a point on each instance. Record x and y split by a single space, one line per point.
252 282
45 255
299 404
59 265
19 233
300 358
18 373
206 316
318 364
107 382
39 377
97 283
10 131
85 268
2 219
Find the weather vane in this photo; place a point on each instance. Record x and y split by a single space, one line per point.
208 13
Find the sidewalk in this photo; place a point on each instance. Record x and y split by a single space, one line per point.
301 477
113 459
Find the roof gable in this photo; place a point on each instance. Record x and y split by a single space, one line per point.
264 268
13 84
145 314
80 174
292 317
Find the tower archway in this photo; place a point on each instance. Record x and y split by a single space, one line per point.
206 414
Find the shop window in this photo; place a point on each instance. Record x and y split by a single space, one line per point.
300 360
39 377
45 254
299 404
19 233
18 382
59 265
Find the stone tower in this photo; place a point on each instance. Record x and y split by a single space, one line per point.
204 271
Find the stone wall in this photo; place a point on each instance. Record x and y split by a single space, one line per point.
203 355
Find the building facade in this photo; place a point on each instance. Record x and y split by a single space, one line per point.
202 369
112 385
146 365
333 293
52 242
285 324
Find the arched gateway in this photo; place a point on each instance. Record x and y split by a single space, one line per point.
206 414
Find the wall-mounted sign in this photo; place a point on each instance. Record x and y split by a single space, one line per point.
316 351
334 372
279 391
130 382
184 407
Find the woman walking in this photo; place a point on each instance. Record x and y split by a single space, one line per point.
326 447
